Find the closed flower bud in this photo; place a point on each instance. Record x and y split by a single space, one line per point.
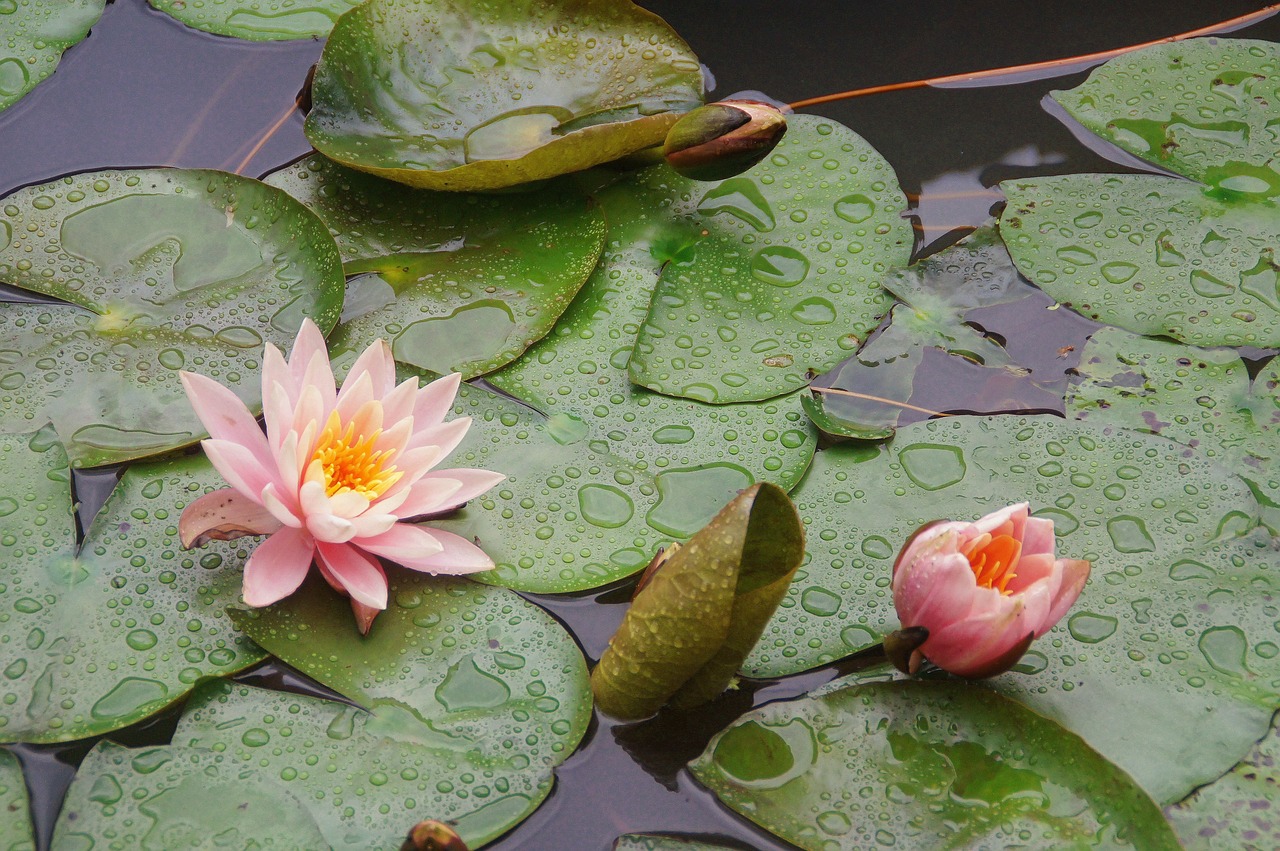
722 139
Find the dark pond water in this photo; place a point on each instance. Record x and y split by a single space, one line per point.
143 90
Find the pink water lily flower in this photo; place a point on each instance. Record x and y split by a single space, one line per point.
984 590
335 475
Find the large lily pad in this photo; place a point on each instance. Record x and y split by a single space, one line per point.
1199 397
1176 623
445 94
697 617
33 35
457 283
15 817
924 765
163 270
97 639
258 20
1205 108
581 368
786 275
1155 255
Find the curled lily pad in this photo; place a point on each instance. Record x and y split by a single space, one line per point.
443 94
1175 624
1155 255
785 277
912 764
15 816
104 636
164 270
700 613
258 20
33 35
456 283
1204 108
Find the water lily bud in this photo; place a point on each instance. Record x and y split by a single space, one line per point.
984 590
432 835
722 139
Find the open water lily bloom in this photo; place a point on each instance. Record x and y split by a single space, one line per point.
335 475
984 590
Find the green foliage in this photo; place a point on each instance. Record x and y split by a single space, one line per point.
33 35
258 20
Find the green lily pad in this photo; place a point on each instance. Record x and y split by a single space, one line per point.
176 797
1155 255
15 816
924 765
1199 397
786 275
101 638
258 20
164 270
33 35
1204 108
693 623
459 282
581 368
655 842
1175 623
441 94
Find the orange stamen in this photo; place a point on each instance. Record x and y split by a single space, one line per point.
993 560
350 462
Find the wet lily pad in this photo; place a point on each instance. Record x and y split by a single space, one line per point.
1202 398
698 615
164 270
258 20
785 276
1204 108
441 94
15 816
33 35
580 369
1175 623
1155 255
457 283
912 764
97 639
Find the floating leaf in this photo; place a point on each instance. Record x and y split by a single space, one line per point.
581 369
913 764
15 818
258 20
693 623
176 797
95 640
1174 625
164 270
785 276
33 35
1204 108
1199 397
460 282
441 94
655 842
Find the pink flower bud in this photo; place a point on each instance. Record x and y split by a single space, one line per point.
984 590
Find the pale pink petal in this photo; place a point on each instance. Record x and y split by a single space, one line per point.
306 345
356 393
309 412
403 543
1075 573
287 460
968 646
921 540
378 364
939 590
277 567
398 404
395 436
239 467
426 497
283 508
1038 537
1014 514
1032 569
223 515
348 504
435 400
371 524
276 371
329 529
359 574
446 436
224 415
456 555
277 413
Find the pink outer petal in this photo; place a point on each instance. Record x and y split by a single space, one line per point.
404 544
459 556
436 400
1031 570
359 574
308 342
277 567
1075 573
936 590
398 404
923 540
240 467
1007 521
276 371
1038 537
223 515
422 497
967 647
224 415
377 362
446 436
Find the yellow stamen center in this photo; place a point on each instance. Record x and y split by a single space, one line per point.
992 560
351 463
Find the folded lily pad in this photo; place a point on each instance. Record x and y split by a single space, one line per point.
915 765
1204 108
103 637
698 615
33 35
164 270
458 283
784 274
445 94
258 20
1175 624
15 815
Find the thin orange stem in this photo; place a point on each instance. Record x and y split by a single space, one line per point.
266 137
838 392
1065 66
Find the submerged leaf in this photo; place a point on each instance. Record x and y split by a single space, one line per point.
15 817
258 20
692 624
33 35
